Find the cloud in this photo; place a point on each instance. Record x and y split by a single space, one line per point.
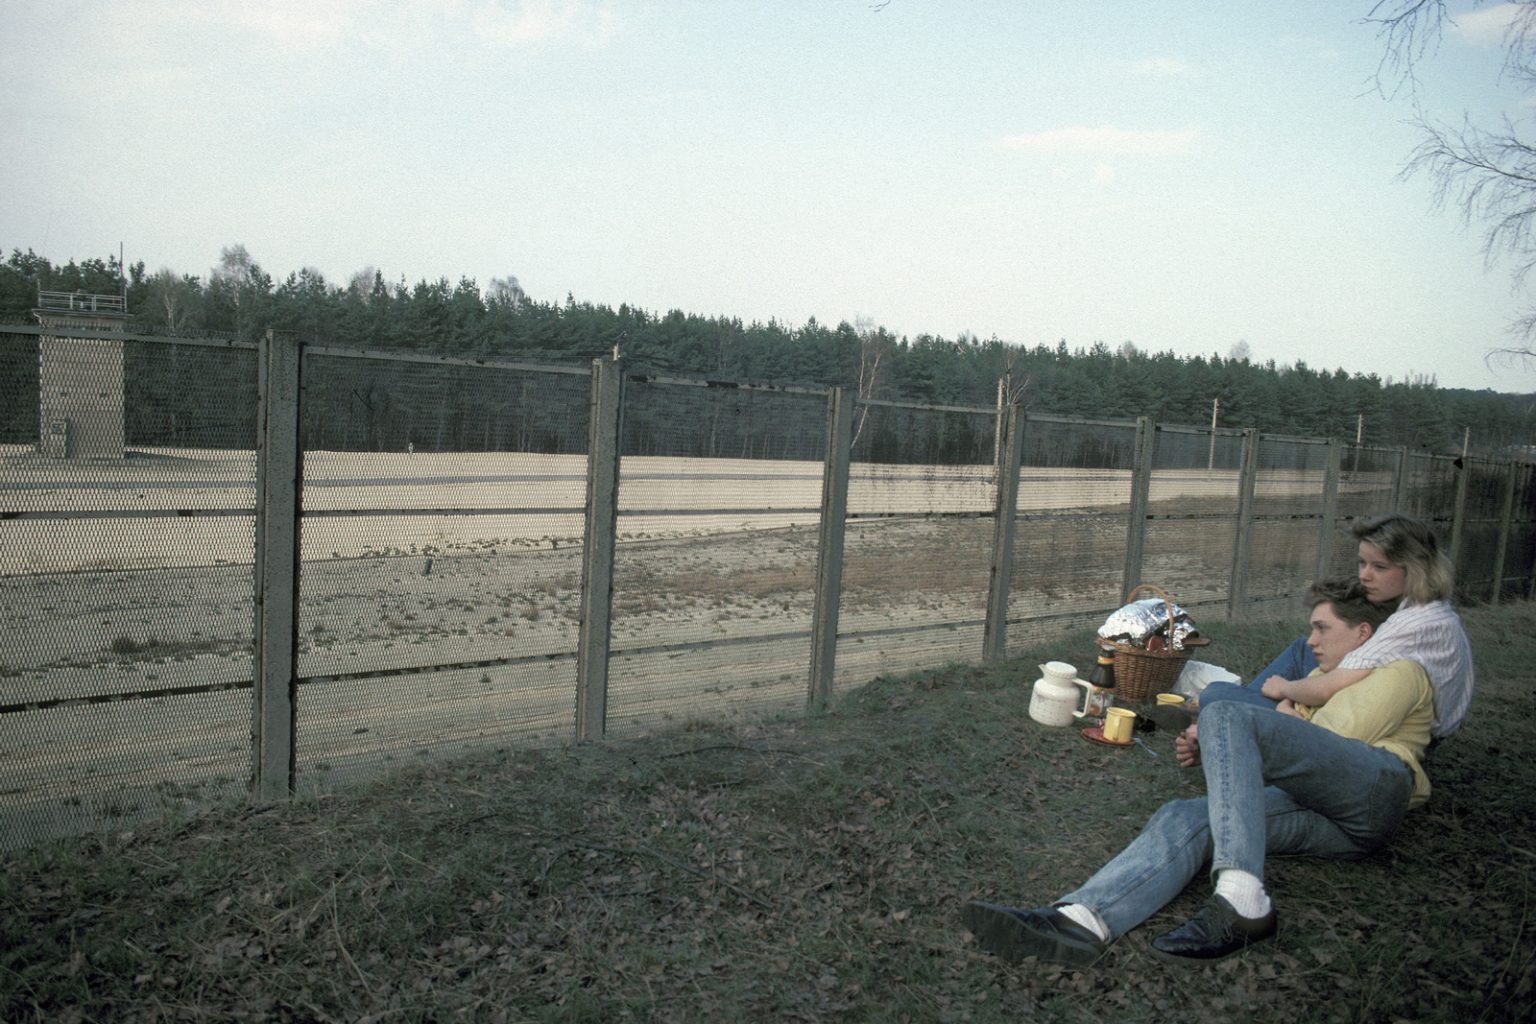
403 25
517 22
1102 141
292 24
1490 25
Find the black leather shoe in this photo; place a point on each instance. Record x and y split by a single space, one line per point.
1214 933
1014 934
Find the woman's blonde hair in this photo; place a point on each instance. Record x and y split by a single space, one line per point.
1409 542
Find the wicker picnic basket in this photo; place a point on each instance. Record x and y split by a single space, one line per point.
1139 673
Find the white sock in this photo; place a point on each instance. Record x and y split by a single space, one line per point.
1244 891
1077 913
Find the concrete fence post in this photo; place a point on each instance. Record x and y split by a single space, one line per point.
1140 502
994 643
1400 480
1506 521
279 494
1242 542
600 533
1524 500
1323 567
1459 514
829 546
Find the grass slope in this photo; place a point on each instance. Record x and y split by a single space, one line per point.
798 870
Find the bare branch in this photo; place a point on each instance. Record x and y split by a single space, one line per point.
1522 357
1491 177
1520 41
1409 30
874 346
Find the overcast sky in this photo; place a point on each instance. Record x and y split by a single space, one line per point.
1180 174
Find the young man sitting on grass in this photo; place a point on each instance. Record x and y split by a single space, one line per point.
1334 781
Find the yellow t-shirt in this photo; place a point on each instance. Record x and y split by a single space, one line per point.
1391 708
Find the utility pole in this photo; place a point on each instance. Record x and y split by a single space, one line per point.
1359 438
1210 462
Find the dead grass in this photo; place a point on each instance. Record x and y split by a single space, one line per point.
805 869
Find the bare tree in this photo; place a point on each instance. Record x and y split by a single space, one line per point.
1409 31
1012 387
360 284
1488 173
236 268
506 289
173 298
875 347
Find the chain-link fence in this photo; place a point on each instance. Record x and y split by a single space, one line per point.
438 573
227 568
127 488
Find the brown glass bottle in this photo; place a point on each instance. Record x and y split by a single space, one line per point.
1102 674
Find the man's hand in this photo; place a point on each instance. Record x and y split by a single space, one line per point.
1288 707
1277 688
1186 747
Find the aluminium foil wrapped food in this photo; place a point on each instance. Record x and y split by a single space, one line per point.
1140 620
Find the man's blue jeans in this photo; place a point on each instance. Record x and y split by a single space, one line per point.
1295 662
1275 785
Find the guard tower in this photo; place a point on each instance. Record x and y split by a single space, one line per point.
80 380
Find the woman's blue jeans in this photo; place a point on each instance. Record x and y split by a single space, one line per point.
1295 662
1275 785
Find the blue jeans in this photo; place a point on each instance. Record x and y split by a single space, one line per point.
1295 662
1275 785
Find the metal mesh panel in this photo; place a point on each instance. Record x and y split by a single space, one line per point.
1366 488
1192 515
917 556
1429 490
442 519
715 563
1366 482
1288 507
1069 543
1481 523
20 410
1519 566
126 547
1520 552
1291 477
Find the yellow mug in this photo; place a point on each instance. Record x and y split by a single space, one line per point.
1170 699
1119 725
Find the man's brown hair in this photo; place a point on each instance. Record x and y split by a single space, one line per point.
1347 596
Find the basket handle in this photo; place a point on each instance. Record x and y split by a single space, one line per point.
1167 602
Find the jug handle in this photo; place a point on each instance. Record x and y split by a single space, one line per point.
1082 711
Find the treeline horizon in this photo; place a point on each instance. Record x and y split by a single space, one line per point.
501 322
